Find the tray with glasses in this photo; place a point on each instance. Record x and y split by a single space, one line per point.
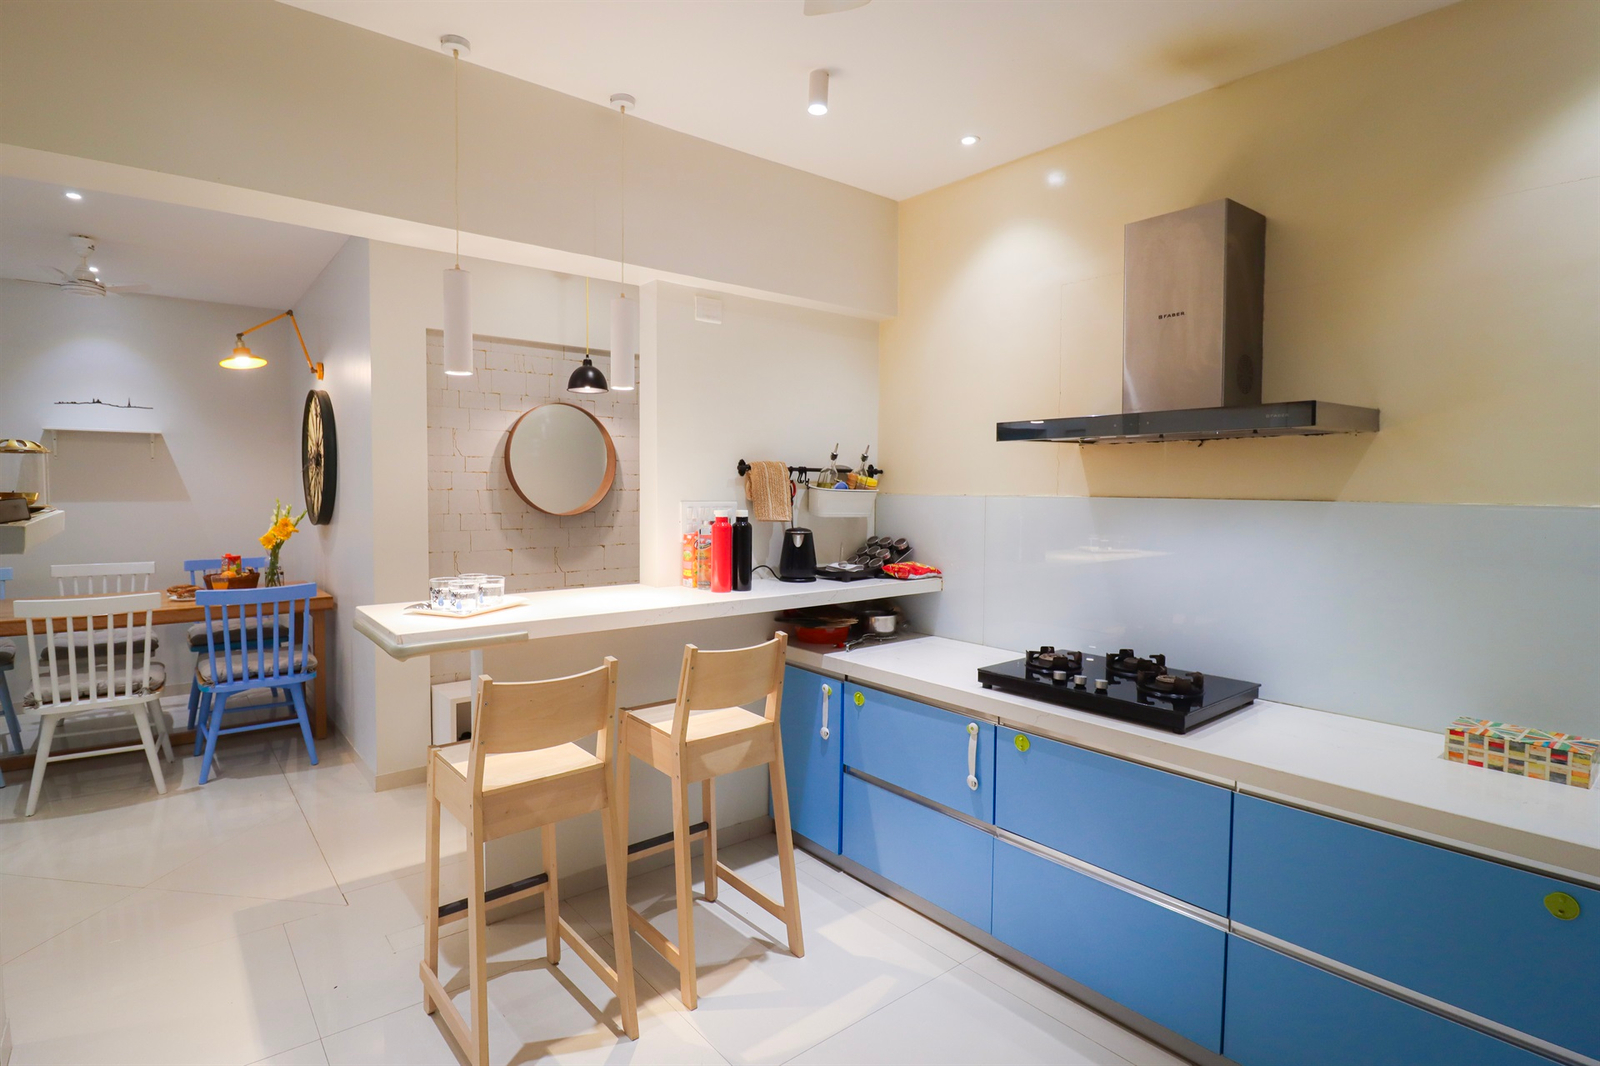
466 596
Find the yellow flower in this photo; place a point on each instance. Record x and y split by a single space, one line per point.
268 541
283 528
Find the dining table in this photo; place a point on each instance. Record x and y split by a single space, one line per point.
186 612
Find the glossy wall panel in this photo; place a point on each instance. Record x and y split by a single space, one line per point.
942 530
1406 613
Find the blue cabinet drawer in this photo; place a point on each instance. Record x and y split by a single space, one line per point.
1165 965
1469 932
945 861
1169 832
922 749
1281 1010
809 722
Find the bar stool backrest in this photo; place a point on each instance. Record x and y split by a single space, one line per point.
101 579
76 680
715 679
516 716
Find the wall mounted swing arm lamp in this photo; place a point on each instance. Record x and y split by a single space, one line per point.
244 359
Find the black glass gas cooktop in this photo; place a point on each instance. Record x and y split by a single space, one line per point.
1132 687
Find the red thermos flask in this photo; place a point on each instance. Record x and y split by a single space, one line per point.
721 553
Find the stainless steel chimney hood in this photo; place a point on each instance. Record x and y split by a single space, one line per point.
1191 341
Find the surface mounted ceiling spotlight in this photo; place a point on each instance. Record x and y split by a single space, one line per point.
457 282
1056 178
970 139
818 104
74 195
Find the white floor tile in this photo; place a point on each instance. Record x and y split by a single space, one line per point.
281 860
34 909
305 1055
235 1000
1102 1030
369 837
960 1017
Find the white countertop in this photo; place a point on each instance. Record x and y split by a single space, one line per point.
563 612
1382 774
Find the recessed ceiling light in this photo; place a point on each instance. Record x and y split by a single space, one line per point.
970 139
1056 178
94 270
74 195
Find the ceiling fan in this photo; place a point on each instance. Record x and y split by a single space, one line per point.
831 7
82 280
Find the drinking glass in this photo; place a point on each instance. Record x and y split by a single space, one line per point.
464 595
492 590
439 593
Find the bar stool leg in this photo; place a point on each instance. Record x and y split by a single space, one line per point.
430 946
708 814
477 948
612 823
785 834
685 877
552 901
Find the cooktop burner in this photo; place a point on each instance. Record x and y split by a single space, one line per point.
1125 685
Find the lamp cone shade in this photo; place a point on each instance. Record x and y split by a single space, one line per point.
457 322
242 358
624 341
587 378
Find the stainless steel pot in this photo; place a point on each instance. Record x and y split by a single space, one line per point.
882 623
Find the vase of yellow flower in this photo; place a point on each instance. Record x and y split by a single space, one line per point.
284 526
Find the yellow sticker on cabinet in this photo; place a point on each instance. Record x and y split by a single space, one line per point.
1022 742
1561 905
861 699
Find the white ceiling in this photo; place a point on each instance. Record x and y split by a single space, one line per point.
910 77
186 252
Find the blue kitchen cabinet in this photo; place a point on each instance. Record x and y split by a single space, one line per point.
945 861
1281 1010
1159 829
811 728
935 753
1165 965
1507 944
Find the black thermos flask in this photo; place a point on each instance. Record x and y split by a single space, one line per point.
743 551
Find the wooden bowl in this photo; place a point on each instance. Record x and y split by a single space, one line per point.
247 580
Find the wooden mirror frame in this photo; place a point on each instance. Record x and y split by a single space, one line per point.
606 479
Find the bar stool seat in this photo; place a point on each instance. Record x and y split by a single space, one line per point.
566 767
705 733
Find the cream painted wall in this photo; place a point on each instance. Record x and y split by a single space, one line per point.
335 316
261 96
770 382
1433 250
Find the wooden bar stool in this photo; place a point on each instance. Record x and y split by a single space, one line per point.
703 735
522 770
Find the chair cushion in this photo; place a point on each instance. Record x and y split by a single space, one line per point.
513 768
8 653
197 633
246 666
59 688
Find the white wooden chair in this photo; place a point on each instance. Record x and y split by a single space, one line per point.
68 683
523 770
704 734
98 579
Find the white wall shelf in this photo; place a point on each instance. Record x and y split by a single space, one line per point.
17 538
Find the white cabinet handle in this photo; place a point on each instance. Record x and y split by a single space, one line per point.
827 691
972 756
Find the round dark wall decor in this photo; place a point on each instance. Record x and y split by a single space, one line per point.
319 457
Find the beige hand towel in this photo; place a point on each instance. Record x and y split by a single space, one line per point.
767 485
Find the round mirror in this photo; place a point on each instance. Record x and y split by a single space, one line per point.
560 459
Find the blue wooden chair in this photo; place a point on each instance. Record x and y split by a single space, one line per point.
8 659
274 654
197 633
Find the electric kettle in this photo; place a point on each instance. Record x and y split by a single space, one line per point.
798 561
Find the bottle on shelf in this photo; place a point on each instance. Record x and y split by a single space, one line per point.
721 553
743 551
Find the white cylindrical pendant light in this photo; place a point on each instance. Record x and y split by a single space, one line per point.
624 341
457 322
818 104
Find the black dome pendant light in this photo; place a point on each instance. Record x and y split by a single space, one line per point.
587 378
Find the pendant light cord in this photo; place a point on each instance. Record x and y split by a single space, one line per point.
456 68
585 320
622 195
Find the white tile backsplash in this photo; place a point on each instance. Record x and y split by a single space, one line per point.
1406 613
